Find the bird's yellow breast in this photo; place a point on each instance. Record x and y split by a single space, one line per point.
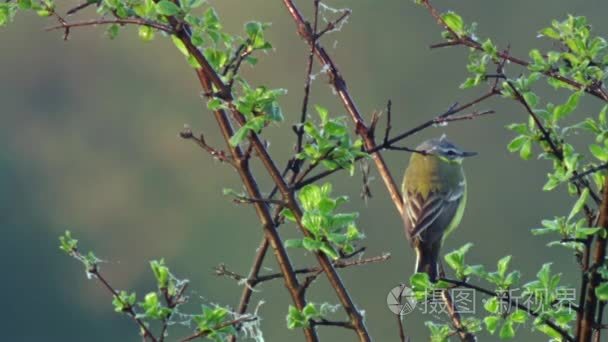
428 173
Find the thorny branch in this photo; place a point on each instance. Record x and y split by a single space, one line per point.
128 309
262 209
221 270
200 141
131 21
234 322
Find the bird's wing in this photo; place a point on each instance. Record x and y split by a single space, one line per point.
426 217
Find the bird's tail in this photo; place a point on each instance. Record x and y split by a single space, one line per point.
427 258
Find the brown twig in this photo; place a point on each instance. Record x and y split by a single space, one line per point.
221 270
200 141
600 318
599 255
454 315
288 196
340 87
258 200
128 21
262 209
172 301
333 24
588 172
80 7
128 308
402 337
220 326
325 322
309 64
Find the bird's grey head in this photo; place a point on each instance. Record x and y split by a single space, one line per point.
444 149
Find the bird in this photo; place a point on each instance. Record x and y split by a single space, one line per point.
434 198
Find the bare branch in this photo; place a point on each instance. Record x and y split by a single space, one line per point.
129 21
204 333
200 141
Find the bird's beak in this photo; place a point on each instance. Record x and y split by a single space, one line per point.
468 154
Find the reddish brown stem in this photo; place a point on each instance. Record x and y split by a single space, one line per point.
262 209
588 320
288 196
339 85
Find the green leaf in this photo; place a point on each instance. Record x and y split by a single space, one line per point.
196 3
549 32
503 264
25 4
565 109
295 318
310 310
329 251
517 143
439 332
602 115
112 31
146 33
168 8
507 331
586 231
152 307
519 316
520 128
123 301
491 323
454 22
67 243
161 273
544 273
294 243
512 278
311 244
579 204
180 45
602 292
477 270
239 136
323 114
599 152
212 20
214 104
420 281
288 215
492 305
526 150
531 99
255 32
489 47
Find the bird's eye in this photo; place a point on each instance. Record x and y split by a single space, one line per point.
451 153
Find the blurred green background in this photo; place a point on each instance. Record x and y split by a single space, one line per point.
90 143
